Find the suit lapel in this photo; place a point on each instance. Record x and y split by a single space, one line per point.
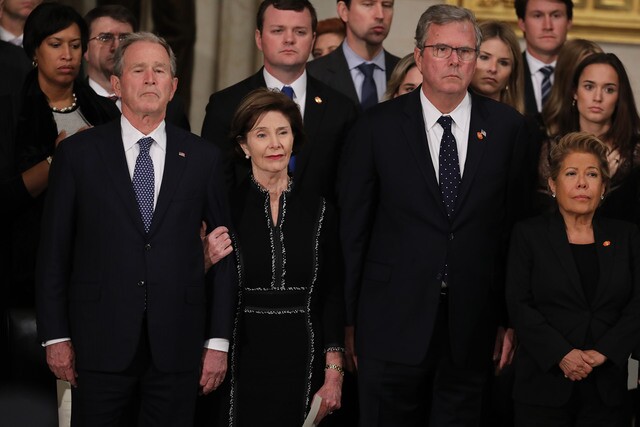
112 150
605 248
415 135
343 80
314 108
562 250
174 164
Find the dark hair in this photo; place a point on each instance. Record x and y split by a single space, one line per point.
579 142
114 11
331 25
570 55
521 8
347 2
295 5
118 56
47 19
625 123
256 104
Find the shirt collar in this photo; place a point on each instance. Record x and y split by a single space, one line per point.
431 114
299 85
98 89
535 64
353 59
131 135
9 36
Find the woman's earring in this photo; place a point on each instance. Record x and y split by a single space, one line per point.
573 103
34 63
246 156
553 195
602 197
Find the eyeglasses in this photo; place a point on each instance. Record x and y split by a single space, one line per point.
110 37
445 51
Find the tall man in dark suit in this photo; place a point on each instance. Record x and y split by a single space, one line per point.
545 24
428 187
360 67
123 304
108 25
285 31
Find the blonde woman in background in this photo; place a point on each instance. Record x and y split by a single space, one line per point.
499 68
404 78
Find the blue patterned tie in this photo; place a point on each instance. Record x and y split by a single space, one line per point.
288 90
369 96
545 86
449 166
144 182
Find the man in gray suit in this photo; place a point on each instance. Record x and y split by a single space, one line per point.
360 67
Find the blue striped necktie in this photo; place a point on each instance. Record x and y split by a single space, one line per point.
545 86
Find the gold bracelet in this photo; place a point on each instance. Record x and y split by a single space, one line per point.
336 367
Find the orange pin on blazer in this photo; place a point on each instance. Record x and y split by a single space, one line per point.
481 134
606 243
318 100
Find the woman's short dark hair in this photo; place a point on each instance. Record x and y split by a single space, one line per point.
579 142
255 105
47 19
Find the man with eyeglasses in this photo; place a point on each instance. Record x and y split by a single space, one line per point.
428 189
108 26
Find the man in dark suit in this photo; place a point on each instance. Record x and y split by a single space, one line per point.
545 24
360 67
427 190
107 26
123 304
285 33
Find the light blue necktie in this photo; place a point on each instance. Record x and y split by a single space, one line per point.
144 182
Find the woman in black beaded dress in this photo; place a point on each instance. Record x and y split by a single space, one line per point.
288 338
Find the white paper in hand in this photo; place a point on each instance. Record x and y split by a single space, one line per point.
313 412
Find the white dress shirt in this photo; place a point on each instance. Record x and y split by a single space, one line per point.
536 76
299 87
461 116
8 36
157 152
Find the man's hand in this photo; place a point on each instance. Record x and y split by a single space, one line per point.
214 369
62 361
576 365
350 357
597 357
504 348
216 245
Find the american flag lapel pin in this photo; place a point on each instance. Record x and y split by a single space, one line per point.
181 154
481 134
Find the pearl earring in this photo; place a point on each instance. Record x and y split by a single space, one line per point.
246 156
553 195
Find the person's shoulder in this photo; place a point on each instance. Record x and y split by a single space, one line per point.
616 225
534 225
237 90
496 110
327 61
317 88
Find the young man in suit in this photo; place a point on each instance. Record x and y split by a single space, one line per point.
360 67
545 24
285 31
428 187
14 15
108 26
124 308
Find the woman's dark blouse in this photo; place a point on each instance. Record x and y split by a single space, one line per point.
290 309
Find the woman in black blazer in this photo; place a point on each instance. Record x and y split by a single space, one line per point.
573 290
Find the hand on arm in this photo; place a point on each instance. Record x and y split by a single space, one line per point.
331 390
216 245
214 369
61 361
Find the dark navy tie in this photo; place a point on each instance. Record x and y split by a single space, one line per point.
545 86
369 95
144 182
288 90
449 166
